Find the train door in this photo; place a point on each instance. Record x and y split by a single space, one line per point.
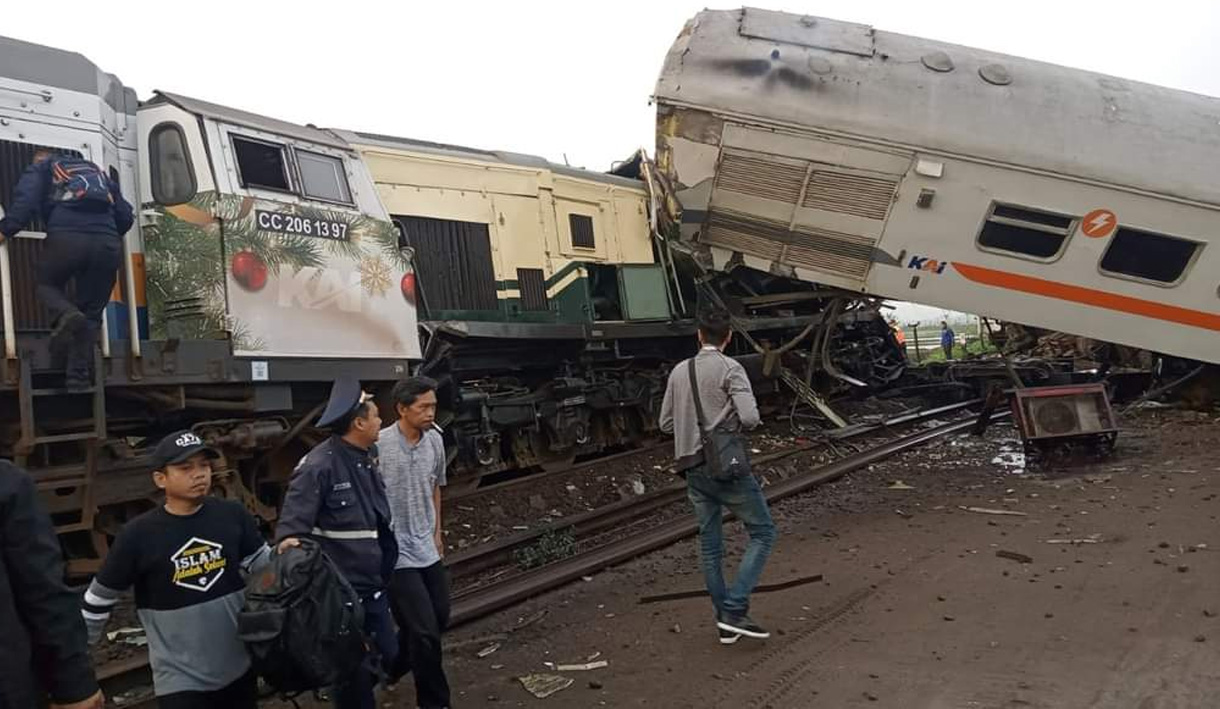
809 203
182 247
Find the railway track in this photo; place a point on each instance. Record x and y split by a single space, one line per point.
480 600
474 603
488 556
535 477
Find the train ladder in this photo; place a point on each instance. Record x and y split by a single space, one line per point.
72 486
809 396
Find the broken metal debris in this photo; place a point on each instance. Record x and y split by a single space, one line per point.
580 667
487 651
1014 556
987 511
1091 539
543 685
128 636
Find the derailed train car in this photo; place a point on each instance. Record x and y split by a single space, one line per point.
921 171
270 257
551 315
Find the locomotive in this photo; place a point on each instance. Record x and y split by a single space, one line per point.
270 257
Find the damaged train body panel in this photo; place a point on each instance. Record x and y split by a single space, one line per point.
910 169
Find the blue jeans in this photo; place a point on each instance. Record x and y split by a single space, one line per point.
744 498
357 691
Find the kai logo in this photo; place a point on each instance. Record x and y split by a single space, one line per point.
929 265
199 564
315 288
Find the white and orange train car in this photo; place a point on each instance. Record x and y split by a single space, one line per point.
922 171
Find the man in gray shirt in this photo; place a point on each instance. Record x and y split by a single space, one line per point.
413 467
728 402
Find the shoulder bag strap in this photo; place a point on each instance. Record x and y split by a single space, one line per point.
694 391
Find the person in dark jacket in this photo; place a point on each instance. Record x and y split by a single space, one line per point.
336 496
85 229
44 649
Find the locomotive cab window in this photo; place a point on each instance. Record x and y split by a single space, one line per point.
323 177
1147 256
173 177
581 227
1025 232
261 164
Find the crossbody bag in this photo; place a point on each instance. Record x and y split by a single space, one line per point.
725 455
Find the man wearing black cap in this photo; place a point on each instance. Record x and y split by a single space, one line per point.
337 497
186 560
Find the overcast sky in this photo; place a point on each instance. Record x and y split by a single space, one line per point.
549 78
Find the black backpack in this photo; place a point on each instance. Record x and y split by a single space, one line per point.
302 621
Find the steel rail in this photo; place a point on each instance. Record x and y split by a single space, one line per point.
484 601
487 556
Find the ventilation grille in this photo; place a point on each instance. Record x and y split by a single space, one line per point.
831 252
582 231
761 177
816 249
828 189
29 313
453 260
847 193
532 284
743 234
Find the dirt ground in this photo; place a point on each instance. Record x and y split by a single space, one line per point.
916 609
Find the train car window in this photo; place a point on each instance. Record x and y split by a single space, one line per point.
1147 256
532 284
261 164
323 177
173 176
1021 231
14 159
582 231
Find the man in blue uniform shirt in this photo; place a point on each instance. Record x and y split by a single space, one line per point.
337 497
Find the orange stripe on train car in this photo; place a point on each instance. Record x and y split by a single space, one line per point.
1089 296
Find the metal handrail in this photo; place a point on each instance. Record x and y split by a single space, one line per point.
133 308
6 291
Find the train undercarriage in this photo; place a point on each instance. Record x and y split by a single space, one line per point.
529 398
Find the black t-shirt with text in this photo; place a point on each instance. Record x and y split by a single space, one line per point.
175 561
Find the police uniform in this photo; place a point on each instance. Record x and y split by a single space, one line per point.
337 498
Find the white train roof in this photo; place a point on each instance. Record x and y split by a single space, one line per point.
918 93
239 117
58 68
